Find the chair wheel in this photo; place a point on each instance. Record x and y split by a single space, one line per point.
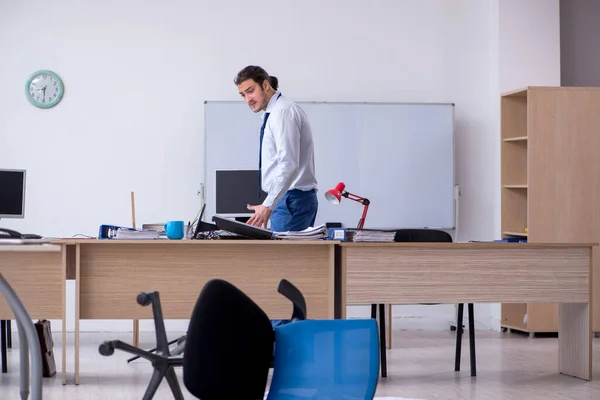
143 299
106 349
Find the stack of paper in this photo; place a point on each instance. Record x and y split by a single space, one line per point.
312 233
369 235
128 233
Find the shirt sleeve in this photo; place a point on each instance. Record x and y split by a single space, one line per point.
286 133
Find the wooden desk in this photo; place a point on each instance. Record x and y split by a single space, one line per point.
110 274
412 273
37 274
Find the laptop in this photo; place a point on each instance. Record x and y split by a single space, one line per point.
202 226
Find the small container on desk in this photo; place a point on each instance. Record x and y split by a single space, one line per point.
336 234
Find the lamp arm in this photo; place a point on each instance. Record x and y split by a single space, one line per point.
362 200
361 223
356 198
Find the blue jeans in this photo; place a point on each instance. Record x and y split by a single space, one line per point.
296 211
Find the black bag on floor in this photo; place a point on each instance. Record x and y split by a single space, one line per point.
44 332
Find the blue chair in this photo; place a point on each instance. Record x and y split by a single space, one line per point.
323 360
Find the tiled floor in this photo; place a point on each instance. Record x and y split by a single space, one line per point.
420 366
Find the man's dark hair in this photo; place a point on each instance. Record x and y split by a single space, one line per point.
257 74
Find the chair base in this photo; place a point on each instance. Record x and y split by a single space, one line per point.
162 358
179 342
164 367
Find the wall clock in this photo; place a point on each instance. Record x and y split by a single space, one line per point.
44 89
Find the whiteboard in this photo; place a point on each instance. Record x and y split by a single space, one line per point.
398 155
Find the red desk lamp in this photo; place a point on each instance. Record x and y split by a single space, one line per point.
335 197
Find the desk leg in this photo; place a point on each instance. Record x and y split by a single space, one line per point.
77 308
64 351
65 260
136 332
575 340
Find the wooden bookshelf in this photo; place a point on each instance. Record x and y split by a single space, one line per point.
550 184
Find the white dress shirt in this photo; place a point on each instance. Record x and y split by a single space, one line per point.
288 160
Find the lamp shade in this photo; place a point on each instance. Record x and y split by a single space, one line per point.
334 195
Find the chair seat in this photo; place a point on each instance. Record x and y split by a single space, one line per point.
322 360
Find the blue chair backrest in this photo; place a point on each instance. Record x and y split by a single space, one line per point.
325 360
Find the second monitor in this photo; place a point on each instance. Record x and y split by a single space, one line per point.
235 189
12 193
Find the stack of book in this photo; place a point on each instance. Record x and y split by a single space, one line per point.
135 234
312 233
126 233
369 235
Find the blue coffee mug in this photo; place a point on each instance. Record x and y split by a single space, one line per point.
174 229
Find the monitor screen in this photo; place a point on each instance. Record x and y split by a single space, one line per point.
236 189
12 193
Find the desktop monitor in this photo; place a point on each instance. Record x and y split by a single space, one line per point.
235 189
12 193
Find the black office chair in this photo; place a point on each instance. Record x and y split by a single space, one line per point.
430 235
285 288
236 357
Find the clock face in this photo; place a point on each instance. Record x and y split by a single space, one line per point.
44 89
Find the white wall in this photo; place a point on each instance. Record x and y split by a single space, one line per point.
529 43
137 74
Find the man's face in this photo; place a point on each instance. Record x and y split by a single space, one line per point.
253 94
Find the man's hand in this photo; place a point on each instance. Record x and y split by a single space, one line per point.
261 216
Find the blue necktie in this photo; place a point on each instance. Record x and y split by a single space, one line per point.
262 134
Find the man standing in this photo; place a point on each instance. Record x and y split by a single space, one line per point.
286 158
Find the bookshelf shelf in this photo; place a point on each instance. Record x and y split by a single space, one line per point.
549 157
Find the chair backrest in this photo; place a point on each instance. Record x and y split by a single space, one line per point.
229 345
326 359
293 294
422 235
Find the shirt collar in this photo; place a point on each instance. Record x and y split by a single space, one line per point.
272 102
